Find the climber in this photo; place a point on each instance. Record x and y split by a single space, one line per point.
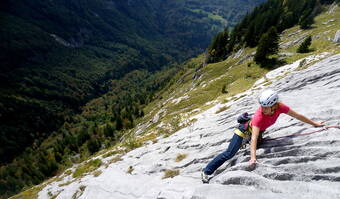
265 116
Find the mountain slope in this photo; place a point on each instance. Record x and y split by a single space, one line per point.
57 55
75 75
196 103
308 163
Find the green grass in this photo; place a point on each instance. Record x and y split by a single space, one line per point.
170 173
132 143
115 159
114 152
180 157
68 172
87 167
149 137
209 15
97 173
66 183
222 109
32 193
29 194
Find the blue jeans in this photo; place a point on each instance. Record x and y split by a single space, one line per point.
233 147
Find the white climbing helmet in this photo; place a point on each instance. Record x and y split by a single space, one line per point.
268 98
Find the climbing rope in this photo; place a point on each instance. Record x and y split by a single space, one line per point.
303 134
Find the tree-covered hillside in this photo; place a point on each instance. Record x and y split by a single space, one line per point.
56 55
281 14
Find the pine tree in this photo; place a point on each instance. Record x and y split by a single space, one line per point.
119 123
218 48
304 47
307 17
108 130
268 45
93 145
250 38
288 20
306 21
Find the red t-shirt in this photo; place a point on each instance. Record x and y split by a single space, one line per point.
264 121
